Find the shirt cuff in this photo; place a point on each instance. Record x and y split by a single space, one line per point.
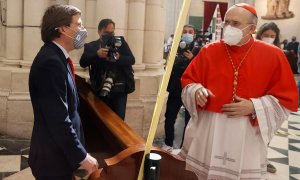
86 157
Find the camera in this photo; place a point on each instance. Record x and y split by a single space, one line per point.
107 83
183 47
180 57
112 43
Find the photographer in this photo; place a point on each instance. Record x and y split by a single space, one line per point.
110 63
187 49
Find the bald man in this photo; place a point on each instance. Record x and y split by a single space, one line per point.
238 92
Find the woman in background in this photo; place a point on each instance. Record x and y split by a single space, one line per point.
269 32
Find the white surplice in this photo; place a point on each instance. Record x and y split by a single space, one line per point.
221 148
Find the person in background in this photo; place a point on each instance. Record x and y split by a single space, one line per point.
238 92
291 53
57 141
284 44
293 46
186 52
269 33
170 42
111 72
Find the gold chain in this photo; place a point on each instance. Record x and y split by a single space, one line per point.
236 70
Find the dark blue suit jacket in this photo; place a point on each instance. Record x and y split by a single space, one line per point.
57 137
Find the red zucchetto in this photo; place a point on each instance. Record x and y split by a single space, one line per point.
247 7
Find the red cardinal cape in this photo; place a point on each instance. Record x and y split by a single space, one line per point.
265 71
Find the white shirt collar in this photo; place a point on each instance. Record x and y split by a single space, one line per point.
63 49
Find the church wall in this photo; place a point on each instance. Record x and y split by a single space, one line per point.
288 27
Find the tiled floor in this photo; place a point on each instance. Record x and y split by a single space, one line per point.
284 150
13 155
283 153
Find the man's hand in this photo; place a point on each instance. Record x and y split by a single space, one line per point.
242 107
201 96
102 52
188 54
90 164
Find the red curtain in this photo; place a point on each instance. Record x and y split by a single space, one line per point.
209 9
223 8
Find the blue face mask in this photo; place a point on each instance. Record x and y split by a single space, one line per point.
188 38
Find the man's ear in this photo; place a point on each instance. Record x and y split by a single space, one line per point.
61 29
253 29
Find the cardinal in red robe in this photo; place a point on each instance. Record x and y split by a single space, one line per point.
238 91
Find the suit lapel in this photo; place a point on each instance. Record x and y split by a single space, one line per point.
65 61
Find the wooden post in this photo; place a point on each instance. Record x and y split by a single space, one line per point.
165 81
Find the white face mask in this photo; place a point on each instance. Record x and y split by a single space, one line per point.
268 40
232 35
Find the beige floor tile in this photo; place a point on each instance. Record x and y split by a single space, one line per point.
274 154
297 176
279 142
10 163
25 174
282 172
294 158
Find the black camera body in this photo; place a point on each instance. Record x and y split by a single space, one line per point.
112 43
180 57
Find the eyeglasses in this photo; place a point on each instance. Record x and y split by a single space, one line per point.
232 23
79 25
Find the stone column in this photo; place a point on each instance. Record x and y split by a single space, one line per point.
11 52
154 34
149 80
91 22
14 29
2 40
172 13
117 10
136 25
18 100
33 13
76 54
2 43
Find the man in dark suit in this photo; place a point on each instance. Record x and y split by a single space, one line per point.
292 46
188 48
110 63
57 142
